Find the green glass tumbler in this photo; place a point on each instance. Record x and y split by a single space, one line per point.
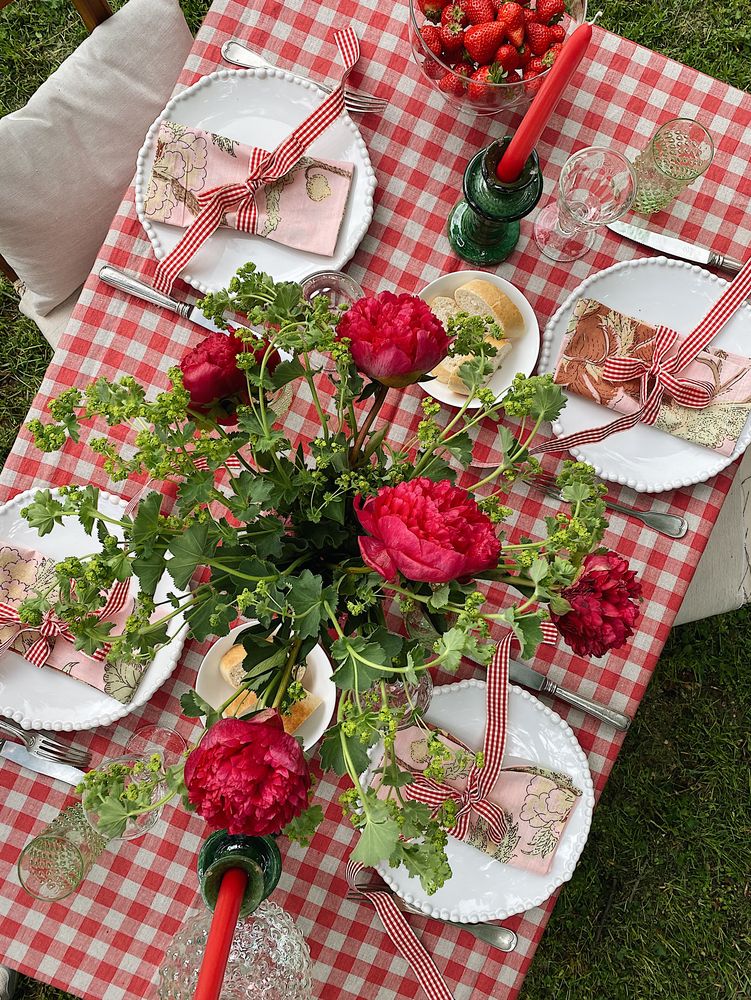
483 228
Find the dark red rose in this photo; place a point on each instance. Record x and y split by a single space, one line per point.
210 374
394 339
248 776
604 607
428 531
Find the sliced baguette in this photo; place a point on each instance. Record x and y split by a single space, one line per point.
444 307
480 298
447 371
246 701
231 665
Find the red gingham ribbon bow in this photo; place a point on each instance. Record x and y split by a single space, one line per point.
264 168
53 627
473 800
662 374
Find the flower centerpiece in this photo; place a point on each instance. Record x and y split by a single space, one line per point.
336 537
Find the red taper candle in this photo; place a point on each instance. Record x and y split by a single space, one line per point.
542 107
221 932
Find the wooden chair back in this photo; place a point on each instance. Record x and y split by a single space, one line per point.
92 12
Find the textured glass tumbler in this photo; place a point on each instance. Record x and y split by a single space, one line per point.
679 152
596 186
54 864
137 825
268 959
339 288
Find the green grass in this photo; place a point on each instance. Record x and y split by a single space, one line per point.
660 905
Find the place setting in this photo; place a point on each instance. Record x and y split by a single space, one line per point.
319 550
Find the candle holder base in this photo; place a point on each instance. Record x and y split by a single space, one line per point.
483 228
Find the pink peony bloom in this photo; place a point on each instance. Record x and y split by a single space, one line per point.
428 531
603 605
394 339
248 776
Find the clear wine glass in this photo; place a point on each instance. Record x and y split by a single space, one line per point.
597 185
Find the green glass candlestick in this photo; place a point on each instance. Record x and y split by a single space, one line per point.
259 857
483 227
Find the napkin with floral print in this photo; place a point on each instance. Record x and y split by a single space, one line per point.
596 332
23 571
304 209
536 801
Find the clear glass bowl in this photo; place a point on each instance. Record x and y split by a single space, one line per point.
499 97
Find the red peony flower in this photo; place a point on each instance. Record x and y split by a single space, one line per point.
248 776
394 339
428 531
603 606
212 378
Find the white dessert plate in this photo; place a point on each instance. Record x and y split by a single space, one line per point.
523 355
655 290
482 888
259 107
214 689
45 698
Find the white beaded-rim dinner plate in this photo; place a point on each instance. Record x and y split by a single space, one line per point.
655 290
259 107
521 358
482 888
317 679
45 698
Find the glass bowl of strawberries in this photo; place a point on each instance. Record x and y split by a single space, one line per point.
489 56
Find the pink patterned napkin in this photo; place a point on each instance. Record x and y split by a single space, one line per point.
537 802
23 571
304 209
596 332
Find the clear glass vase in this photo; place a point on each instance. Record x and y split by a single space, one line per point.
268 959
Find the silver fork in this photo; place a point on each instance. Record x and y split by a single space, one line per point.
500 937
45 746
240 55
671 525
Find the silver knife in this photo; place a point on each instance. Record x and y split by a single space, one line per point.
134 286
520 673
52 768
676 247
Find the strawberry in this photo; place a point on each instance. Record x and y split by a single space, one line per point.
530 17
453 14
432 8
538 37
548 10
482 40
537 65
478 11
432 38
557 32
432 69
552 54
511 16
478 88
513 77
454 83
524 56
532 81
508 57
452 37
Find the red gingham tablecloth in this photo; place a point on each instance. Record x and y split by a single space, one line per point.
108 939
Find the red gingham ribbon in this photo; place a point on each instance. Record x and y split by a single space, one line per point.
661 375
53 627
265 167
474 799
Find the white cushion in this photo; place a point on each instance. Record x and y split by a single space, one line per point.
53 324
722 581
67 157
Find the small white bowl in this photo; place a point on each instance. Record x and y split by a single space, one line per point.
523 355
214 689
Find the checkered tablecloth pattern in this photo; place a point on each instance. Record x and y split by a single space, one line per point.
108 939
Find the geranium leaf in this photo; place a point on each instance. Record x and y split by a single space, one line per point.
193 705
146 524
213 616
304 597
149 570
189 551
377 841
287 371
302 828
195 491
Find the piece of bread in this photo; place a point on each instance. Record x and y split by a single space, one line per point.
480 298
231 665
300 711
444 307
244 702
448 370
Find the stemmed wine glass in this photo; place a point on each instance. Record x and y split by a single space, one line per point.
597 185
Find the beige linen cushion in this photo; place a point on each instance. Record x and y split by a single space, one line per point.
67 157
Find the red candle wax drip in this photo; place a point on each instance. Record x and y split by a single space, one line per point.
542 107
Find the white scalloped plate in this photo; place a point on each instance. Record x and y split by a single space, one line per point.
46 698
259 107
656 290
481 888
